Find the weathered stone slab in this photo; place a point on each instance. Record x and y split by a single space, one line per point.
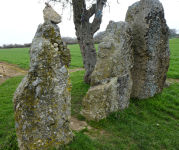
51 15
42 100
151 47
111 81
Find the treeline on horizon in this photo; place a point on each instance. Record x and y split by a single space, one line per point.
71 40
67 40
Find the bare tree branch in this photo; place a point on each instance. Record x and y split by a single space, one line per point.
98 16
91 11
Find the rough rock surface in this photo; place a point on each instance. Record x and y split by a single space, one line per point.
151 47
51 15
111 81
42 100
51 32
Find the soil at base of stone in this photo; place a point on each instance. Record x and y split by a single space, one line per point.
174 80
10 70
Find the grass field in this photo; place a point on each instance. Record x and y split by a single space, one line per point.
174 59
20 56
17 56
145 124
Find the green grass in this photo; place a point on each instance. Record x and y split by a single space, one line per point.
76 59
6 106
146 124
79 89
17 56
174 59
20 56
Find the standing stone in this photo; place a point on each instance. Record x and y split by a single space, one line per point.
42 100
111 81
51 32
151 47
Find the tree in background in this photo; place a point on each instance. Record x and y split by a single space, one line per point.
98 37
69 40
173 33
85 30
7 46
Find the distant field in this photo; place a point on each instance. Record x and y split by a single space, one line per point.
17 56
20 56
174 59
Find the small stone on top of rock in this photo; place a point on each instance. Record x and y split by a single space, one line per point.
51 14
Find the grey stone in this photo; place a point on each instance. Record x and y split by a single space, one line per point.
38 91
36 82
151 47
51 31
51 15
63 69
42 99
111 81
24 138
16 125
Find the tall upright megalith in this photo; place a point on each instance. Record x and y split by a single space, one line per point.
42 100
151 47
111 81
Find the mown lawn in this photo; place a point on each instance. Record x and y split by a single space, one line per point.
174 59
146 124
20 57
16 56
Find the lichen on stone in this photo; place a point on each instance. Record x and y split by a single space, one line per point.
51 31
111 80
42 100
151 47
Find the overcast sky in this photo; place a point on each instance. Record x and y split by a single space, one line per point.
20 18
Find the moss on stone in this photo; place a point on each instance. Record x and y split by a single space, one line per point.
110 81
43 98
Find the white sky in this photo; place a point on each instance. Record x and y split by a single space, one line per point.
20 18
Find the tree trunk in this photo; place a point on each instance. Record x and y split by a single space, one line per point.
85 31
88 51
